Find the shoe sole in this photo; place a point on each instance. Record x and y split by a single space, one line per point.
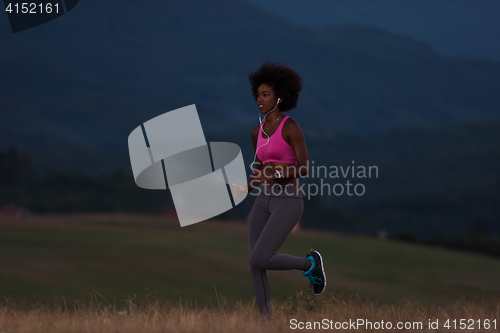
323 269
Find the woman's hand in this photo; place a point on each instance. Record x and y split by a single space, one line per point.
266 175
239 190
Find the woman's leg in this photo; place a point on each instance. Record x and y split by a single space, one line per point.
271 221
258 218
285 213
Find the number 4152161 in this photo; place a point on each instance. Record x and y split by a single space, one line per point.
471 324
32 8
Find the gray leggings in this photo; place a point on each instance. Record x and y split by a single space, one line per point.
273 216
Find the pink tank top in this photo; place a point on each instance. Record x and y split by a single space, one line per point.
277 150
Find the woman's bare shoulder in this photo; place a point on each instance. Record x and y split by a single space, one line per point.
291 126
255 131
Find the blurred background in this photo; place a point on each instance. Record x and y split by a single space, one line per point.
411 87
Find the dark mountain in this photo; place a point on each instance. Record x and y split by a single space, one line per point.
73 89
459 28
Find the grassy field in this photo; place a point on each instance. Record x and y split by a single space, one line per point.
332 313
46 258
107 264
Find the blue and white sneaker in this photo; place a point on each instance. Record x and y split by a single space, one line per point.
316 274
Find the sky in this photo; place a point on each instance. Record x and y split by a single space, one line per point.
468 28
454 27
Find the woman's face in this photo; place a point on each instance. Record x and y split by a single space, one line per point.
266 98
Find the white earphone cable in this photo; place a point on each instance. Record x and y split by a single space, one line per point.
268 137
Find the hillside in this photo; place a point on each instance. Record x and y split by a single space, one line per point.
78 85
119 256
465 28
73 89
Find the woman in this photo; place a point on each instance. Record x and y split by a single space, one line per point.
280 158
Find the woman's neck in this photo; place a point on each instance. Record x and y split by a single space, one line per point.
273 116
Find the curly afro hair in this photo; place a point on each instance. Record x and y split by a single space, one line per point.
285 81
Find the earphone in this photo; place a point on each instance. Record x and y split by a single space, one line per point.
262 129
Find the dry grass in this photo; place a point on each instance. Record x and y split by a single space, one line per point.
98 316
45 258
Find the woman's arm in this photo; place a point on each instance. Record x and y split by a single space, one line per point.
295 137
254 180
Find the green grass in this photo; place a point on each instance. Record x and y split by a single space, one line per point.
119 257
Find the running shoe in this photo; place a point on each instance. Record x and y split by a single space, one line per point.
316 274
